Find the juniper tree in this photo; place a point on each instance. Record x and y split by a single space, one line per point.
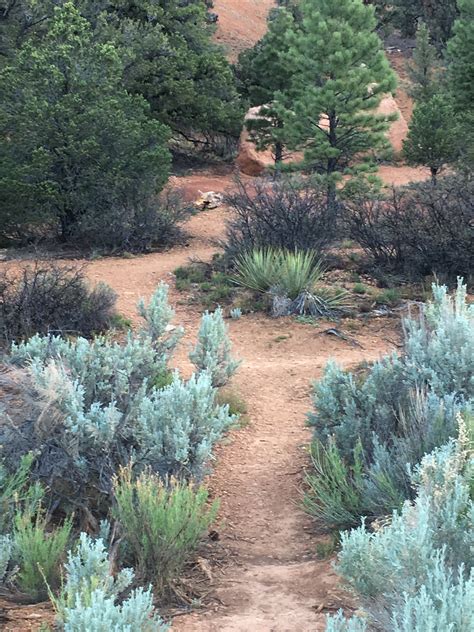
263 71
432 139
76 146
168 53
424 67
340 74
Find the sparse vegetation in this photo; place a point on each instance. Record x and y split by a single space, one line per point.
53 299
417 230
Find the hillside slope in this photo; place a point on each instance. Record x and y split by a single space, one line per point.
241 23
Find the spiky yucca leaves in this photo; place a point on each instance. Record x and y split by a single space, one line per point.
258 269
292 278
162 524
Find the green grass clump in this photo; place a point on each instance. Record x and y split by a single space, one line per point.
359 288
39 552
162 524
389 297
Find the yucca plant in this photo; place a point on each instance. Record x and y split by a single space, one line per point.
292 278
298 272
291 272
258 269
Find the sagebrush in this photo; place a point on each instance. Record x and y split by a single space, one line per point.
369 426
417 571
88 407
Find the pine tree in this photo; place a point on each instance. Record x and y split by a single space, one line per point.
340 74
75 146
461 57
424 67
432 139
263 71
461 76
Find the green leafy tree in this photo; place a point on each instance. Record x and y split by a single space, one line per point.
424 68
76 147
432 139
263 72
340 74
461 77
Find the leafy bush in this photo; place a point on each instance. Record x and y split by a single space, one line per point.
162 524
418 569
368 427
87 600
52 298
87 407
212 351
418 229
39 552
278 214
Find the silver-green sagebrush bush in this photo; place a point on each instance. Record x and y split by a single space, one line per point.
369 426
89 407
212 352
416 573
88 600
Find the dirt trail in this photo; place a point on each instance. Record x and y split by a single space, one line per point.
273 583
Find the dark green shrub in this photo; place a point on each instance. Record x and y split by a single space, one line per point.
82 159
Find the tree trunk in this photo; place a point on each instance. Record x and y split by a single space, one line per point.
278 159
